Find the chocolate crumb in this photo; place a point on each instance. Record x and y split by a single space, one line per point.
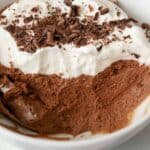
99 8
35 9
2 17
18 16
96 16
59 45
135 55
103 10
75 11
50 38
3 20
118 13
28 19
127 37
16 21
133 20
99 48
145 26
68 2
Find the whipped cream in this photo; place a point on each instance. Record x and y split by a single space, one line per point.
69 60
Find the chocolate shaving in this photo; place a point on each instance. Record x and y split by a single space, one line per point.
135 55
99 48
16 21
75 11
96 16
28 19
35 9
3 20
118 13
133 20
61 29
103 10
145 26
127 37
50 38
68 2
2 17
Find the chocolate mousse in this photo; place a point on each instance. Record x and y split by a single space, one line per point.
50 104
72 67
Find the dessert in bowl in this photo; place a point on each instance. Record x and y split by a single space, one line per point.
73 68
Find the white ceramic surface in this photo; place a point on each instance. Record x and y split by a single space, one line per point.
139 142
19 142
139 9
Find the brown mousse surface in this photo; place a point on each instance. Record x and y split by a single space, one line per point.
51 104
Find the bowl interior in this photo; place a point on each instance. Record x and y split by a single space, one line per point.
143 111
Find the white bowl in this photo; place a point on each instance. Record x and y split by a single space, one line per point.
107 142
14 141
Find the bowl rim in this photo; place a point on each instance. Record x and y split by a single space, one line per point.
73 143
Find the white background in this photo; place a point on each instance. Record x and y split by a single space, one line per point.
139 142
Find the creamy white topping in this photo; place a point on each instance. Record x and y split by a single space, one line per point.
70 60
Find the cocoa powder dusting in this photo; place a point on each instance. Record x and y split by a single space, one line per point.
51 104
